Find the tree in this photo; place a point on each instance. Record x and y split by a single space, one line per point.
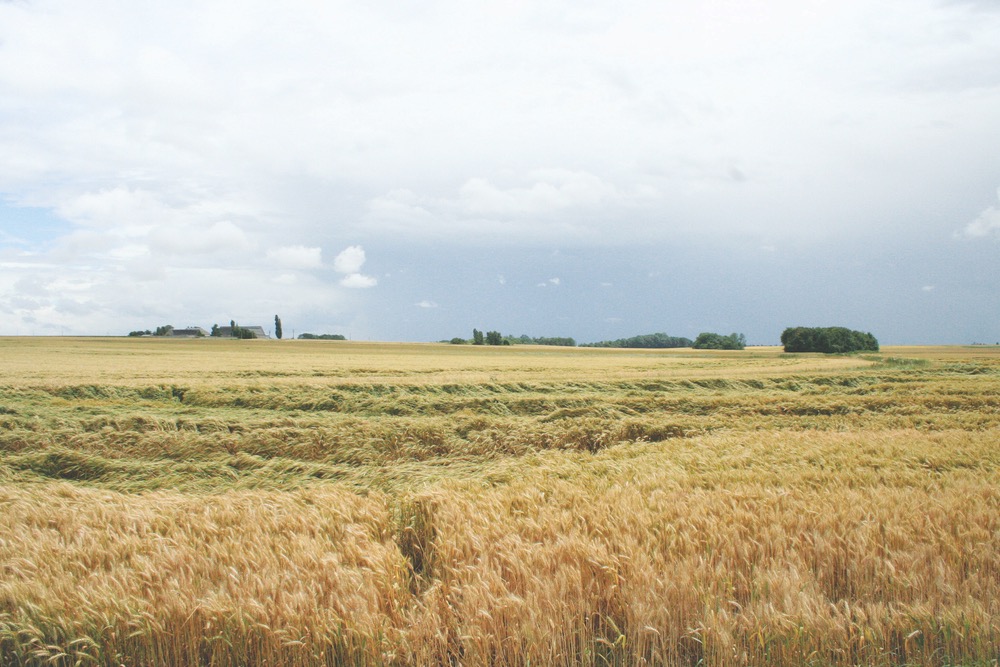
477 337
165 330
525 339
277 327
828 340
656 340
494 338
312 336
714 341
215 331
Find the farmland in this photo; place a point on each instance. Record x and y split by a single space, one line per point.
228 502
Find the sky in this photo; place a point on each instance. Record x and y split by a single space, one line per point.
411 171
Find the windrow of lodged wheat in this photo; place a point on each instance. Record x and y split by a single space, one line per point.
255 502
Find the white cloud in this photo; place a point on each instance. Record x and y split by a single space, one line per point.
426 304
358 281
115 207
543 204
295 257
195 239
232 142
350 260
551 190
555 281
987 223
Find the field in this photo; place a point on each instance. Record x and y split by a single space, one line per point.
223 502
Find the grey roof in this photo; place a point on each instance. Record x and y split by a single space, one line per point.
189 332
227 331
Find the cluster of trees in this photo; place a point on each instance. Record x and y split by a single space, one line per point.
496 338
655 340
714 341
489 338
543 340
164 330
309 336
829 340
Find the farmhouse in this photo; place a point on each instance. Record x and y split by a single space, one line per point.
190 332
227 332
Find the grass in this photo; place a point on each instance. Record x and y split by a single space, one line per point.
314 503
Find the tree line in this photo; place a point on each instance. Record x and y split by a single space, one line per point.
714 341
645 341
496 338
829 340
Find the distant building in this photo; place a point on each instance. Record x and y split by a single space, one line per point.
190 332
227 332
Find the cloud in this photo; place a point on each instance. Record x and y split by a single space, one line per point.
927 288
350 260
426 304
112 207
220 141
552 190
541 204
987 223
194 239
295 257
358 281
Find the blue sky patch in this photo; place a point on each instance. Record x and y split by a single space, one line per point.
29 226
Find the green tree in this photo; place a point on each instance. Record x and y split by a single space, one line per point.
494 338
277 327
215 330
165 330
312 336
656 340
714 341
828 340
477 337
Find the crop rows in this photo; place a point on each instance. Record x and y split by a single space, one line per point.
445 508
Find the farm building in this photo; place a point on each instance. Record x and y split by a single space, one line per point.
189 332
227 332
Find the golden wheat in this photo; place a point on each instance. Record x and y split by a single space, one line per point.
224 503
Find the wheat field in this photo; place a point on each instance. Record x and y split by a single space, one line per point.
210 502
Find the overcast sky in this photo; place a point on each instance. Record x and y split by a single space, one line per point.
409 171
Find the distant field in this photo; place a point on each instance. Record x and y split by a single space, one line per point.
225 502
